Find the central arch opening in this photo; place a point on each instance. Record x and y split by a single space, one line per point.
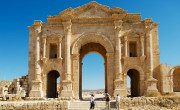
93 72
52 78
133 78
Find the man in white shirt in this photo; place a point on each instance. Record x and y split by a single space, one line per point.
92 102
118 102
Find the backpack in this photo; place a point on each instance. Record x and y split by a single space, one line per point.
108 99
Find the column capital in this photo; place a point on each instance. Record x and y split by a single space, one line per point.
148 23
67 22
148 27
125 38
37 23
118 22
67 25
37 32
142 38
118 25
60 39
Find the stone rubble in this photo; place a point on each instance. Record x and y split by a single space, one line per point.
17 89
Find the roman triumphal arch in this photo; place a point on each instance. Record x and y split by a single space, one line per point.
128 45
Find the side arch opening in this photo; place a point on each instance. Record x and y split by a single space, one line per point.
134 82
176 80
52 91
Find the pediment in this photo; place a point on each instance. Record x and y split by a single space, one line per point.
93 13
92 10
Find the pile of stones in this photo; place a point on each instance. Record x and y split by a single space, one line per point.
18 88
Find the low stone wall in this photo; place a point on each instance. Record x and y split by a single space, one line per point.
150 102
34 105
142 103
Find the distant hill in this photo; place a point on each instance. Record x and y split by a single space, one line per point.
88 90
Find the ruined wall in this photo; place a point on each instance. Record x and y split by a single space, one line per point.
18 88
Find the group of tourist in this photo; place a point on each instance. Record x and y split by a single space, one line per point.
92 101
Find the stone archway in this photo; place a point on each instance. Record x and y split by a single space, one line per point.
176 81
47 68
136 75
96 38
52 77
92 43
135 82
173 73
91 48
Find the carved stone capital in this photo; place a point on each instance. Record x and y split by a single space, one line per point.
37 32
118 28
142 38
37 23
148 24
125 38
148 27
60 39
67 29
67 25
67 22
118 25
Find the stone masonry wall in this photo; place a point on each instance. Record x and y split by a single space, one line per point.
142 103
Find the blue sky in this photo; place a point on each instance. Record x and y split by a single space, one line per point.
16 15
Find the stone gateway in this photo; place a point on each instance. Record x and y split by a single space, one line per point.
128 45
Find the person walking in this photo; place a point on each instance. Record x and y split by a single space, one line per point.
92 102
118 102
107 102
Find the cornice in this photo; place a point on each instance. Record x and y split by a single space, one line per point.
114 14
130 17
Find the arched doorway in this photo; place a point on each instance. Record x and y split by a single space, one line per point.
92 48
98 44
134 82
176 80
52 77
93 76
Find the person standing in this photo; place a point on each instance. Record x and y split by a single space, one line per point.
107 102
118 102
92 102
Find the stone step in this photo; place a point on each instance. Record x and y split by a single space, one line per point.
85 105
94 109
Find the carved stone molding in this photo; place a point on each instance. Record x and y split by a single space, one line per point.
134 60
